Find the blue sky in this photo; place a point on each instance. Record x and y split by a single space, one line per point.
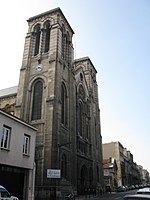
115 34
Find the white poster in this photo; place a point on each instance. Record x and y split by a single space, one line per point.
53 173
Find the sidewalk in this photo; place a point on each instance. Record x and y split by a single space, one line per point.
92 197
86 197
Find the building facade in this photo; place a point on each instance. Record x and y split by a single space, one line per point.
115 150
59 96
127 170
110 174
17 150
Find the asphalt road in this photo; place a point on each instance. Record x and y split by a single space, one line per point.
113 196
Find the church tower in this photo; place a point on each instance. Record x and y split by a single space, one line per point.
59 97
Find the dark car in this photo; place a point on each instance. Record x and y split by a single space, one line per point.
121 189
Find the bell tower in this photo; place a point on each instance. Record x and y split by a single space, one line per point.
48 46
46 95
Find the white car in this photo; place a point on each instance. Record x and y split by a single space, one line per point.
5 195
136 197
143 191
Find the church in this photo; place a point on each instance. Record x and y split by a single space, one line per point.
58 95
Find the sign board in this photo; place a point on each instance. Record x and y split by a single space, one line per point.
106 172
53 173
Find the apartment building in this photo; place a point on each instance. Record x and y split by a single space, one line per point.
127 170
17 150
110 174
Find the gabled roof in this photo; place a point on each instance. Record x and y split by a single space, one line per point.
83 59
2 112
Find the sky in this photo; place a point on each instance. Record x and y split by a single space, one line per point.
115 35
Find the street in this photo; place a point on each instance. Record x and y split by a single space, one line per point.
113 196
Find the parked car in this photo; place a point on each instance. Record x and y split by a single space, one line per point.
136 196
144 191
121 189
132 187
5 195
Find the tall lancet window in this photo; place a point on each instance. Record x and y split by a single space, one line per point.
37 34
80 118
47 37
64 166
37 100
64 106
63 42
67 47
97 174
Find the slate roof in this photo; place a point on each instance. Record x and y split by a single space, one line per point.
8 91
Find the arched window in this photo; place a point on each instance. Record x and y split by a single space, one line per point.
37 34
64 106
81 76
63 42
90 175
97 173
81 92
37 100
64 166
95 129
67 47
87 130
47 37
80 114
83 176
80 117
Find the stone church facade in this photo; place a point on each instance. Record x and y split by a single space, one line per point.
59 96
